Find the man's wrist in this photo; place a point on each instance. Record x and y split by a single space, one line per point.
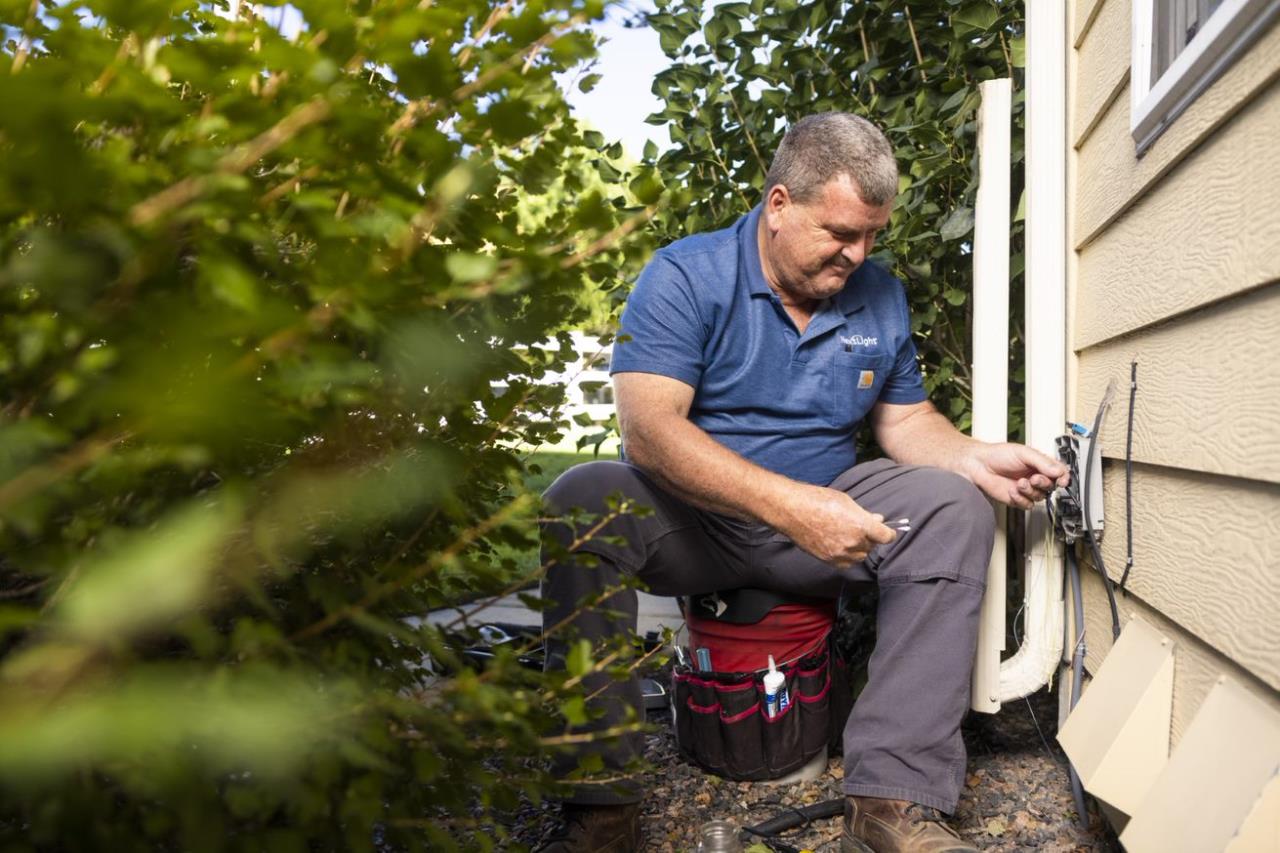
781 507
972 460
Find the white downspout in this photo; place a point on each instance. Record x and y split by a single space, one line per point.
991 356
1046 256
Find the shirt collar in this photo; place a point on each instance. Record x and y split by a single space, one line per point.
749 248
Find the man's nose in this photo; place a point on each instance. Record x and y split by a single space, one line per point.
854 252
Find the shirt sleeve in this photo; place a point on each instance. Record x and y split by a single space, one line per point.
905 385
661 330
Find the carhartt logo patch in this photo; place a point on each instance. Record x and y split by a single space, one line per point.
866 378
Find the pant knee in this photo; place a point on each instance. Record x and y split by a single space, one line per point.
588 519
966 510
588 486
956 494
953 528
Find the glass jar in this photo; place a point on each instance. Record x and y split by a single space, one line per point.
719 836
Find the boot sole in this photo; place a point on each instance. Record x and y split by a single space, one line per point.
853 845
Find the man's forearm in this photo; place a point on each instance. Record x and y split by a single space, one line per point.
695 467
929 438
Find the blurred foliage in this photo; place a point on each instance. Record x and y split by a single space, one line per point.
255 294
542 468
743 71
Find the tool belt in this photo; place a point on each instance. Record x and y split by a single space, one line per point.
722 725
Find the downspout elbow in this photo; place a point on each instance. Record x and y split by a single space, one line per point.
1038 654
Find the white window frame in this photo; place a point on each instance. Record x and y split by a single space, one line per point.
1224 36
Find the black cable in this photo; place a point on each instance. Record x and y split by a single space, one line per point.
792 818
1128 478
1077 673
1088 521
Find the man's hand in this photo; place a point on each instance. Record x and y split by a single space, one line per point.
1014 474
832 527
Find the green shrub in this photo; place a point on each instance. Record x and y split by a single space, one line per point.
255 293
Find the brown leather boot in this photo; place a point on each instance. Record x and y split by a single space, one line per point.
873 825
588 829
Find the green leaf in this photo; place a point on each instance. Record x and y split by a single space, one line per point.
467 267
646 187
1018 51
670 41
574 710
957 224
230 282
587 83
578 661
150 577
975 16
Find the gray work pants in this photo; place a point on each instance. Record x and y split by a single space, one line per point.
902 740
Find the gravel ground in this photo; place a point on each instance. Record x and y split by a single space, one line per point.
1016 797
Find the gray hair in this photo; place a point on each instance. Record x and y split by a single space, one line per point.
824 146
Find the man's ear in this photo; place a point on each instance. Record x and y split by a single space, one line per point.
776 201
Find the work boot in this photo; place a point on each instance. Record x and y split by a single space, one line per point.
595 829
873 825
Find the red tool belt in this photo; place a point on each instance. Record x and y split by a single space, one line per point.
721 720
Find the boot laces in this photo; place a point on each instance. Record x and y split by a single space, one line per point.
926 814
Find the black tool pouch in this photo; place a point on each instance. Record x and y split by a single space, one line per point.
721 724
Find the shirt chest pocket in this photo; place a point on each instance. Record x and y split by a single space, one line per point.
855 383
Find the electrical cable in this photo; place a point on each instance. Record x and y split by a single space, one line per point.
1128 478
1077 672
794 817
1099 563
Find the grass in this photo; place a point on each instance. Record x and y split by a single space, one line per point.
552 465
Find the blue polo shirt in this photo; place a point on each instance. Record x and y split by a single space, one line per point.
702 313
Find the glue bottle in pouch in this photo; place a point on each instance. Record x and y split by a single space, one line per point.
775 691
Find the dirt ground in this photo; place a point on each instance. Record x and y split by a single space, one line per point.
1016 797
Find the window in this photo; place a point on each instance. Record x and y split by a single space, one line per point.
1179 48
1176 23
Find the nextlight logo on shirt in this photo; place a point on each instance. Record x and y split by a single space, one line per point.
858 341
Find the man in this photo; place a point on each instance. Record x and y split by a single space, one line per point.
751 356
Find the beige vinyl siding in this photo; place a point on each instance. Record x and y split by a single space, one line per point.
1196 667
1103 67
1111 177
1201 557
1208 387
1207 231
1177 265
1085 13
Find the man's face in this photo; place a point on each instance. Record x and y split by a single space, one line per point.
816 245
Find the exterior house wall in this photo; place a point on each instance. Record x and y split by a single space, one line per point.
1176 264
